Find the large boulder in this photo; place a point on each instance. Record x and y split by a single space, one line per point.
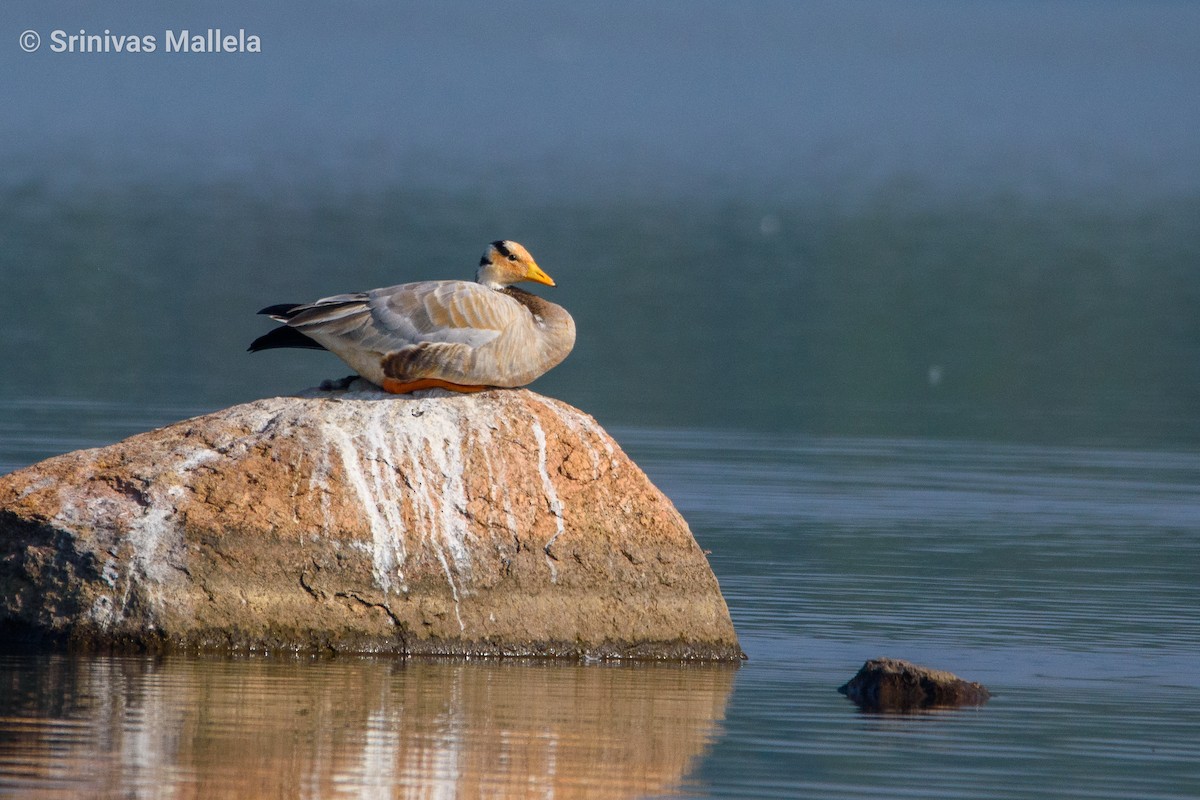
501 523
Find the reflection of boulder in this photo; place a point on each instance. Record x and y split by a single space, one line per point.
216 728
497 523
889 684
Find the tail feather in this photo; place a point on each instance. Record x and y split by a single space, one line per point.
314 315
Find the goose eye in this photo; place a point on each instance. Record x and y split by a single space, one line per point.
512 257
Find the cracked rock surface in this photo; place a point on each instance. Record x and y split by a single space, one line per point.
501 523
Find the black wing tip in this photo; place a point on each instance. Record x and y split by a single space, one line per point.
283 336
261 343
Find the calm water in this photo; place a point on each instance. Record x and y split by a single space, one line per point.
1063 578
897 301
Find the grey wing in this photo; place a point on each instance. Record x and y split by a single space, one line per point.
428 329
445 312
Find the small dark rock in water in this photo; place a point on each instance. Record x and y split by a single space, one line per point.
889 684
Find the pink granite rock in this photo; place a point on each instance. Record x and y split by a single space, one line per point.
497 523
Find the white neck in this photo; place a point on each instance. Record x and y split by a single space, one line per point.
491 277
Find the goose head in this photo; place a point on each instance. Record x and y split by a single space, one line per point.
505 263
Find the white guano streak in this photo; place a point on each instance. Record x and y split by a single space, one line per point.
387 539
556 507
420 457
153 536
579 422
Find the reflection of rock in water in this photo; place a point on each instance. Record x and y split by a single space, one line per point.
253 728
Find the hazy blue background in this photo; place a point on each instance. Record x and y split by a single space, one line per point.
934 218
896 300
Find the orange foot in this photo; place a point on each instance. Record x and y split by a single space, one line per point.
404 387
